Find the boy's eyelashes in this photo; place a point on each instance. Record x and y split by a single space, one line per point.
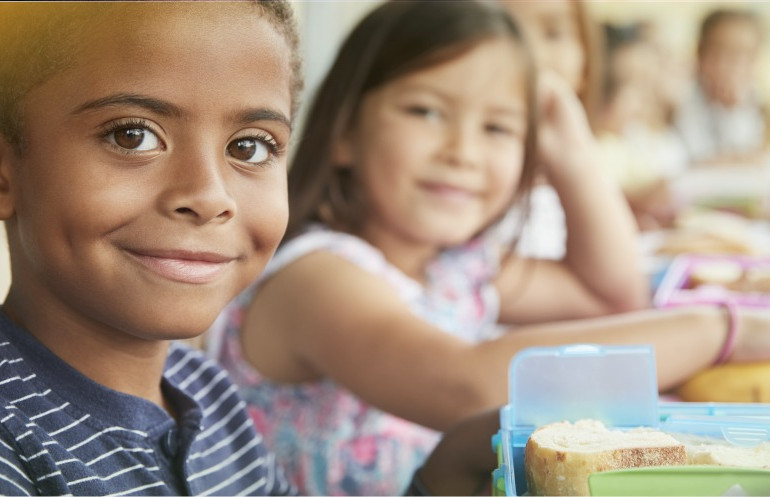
135 136
132 136
258 148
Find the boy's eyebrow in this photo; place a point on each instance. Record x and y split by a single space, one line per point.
167 109
263 114
149 103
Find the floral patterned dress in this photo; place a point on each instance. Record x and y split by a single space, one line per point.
329 441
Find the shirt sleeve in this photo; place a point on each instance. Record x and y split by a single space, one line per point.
14 479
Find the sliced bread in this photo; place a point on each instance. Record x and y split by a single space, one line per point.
559 456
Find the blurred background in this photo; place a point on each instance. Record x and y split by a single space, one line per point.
688 196
324 24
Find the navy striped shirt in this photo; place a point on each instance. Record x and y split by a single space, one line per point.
62 433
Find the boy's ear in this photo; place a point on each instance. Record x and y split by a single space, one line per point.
8 155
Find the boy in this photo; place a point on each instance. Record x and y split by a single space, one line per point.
722 120
143 185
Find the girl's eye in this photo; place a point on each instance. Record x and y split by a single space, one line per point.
495 128
251 149
425 112
134 139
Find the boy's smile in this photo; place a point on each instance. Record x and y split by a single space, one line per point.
184 266
152 184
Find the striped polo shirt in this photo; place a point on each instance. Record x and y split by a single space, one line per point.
62 433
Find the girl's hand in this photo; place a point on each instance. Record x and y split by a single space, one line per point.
564 135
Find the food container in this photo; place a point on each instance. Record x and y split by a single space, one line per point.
743 280
617 385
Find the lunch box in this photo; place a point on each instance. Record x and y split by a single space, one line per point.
617 385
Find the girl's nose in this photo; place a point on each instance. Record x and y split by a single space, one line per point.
196 189
463 145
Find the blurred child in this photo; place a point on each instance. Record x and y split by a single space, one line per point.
362 338
639 149
143 186
723 119
565 41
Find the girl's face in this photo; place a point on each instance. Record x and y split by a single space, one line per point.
440 151
553 31
152 188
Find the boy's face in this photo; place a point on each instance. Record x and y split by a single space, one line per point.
726 61
152 188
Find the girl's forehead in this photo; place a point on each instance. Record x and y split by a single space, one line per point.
493 58
491 71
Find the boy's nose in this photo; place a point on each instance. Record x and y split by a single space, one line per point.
197 189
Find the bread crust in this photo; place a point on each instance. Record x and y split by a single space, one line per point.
552 470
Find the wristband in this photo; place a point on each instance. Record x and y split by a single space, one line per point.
732 331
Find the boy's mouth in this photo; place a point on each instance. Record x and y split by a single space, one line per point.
184 266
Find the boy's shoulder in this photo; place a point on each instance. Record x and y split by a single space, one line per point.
61 433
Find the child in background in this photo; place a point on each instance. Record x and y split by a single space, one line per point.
640 149
143 186
565 41
723 120
368 332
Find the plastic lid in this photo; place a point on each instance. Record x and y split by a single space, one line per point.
614 384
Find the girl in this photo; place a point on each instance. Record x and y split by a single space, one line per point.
564 41
362 339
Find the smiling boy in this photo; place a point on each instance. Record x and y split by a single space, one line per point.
143 186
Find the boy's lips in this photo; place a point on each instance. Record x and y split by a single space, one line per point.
183 266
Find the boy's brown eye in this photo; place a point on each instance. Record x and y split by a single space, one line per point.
129 138
251 149
242 149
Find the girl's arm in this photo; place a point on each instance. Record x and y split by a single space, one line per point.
323 317
601 272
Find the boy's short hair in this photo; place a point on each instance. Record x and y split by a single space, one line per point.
722 15
41 39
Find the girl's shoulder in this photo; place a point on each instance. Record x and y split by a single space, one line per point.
349 247
318 237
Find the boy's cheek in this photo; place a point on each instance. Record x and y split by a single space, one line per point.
8 163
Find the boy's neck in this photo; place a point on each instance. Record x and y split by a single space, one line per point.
126 364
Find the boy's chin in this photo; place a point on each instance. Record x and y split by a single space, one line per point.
189 330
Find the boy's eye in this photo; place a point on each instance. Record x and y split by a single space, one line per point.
248 150
136 139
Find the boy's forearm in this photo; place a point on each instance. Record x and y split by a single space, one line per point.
462 462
